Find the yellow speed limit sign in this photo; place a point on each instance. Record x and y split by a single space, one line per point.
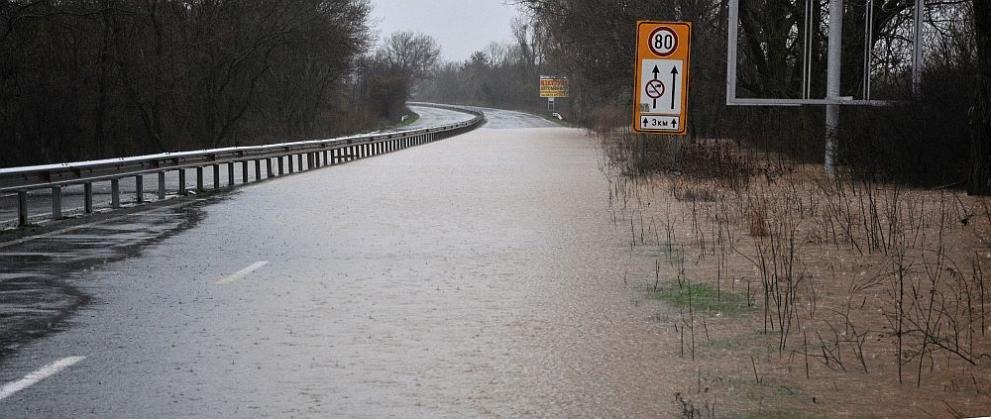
663 50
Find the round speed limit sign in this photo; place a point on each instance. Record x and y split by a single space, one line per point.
663 41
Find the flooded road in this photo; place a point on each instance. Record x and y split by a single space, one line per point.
481 275
40 204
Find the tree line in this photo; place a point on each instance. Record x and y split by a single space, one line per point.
924 138
83 79
500 75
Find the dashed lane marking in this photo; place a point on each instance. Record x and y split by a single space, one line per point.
35 377
242 273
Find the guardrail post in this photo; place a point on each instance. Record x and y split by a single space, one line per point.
290 164
299 162
244 171
22 208
182 182
282 169
88 197
199 179
161 185
115 193
139 188
56 202
258 169
230 173
326 162
216 176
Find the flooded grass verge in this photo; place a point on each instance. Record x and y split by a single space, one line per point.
837 297
702 298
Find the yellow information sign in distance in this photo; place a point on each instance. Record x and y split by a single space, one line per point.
663 50
553 86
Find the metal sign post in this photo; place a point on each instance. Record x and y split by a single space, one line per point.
833 99
663 52
834 66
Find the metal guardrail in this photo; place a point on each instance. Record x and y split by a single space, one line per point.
273 160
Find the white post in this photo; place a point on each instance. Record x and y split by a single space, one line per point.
833 72
733 34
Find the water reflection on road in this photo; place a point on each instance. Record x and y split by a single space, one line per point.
476 276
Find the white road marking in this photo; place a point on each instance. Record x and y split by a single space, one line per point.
242 273
33 378
96 223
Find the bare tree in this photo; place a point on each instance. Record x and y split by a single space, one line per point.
413 53
94 78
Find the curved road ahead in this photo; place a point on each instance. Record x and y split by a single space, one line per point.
481 275
40 201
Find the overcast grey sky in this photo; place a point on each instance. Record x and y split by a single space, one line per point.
460 26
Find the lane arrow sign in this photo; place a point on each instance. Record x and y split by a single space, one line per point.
674 79
656 72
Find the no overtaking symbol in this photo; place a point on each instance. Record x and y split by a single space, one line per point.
655 89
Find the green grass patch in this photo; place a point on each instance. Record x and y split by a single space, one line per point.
702 297
412 117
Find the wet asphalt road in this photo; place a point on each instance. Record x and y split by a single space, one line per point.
475 276
40 205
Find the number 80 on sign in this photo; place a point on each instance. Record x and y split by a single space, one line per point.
663 41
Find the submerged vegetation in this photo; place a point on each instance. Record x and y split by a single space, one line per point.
833 283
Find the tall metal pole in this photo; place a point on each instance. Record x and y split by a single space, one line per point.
917 49
833 73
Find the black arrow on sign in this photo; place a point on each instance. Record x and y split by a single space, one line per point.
656 72
645 122
674 78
